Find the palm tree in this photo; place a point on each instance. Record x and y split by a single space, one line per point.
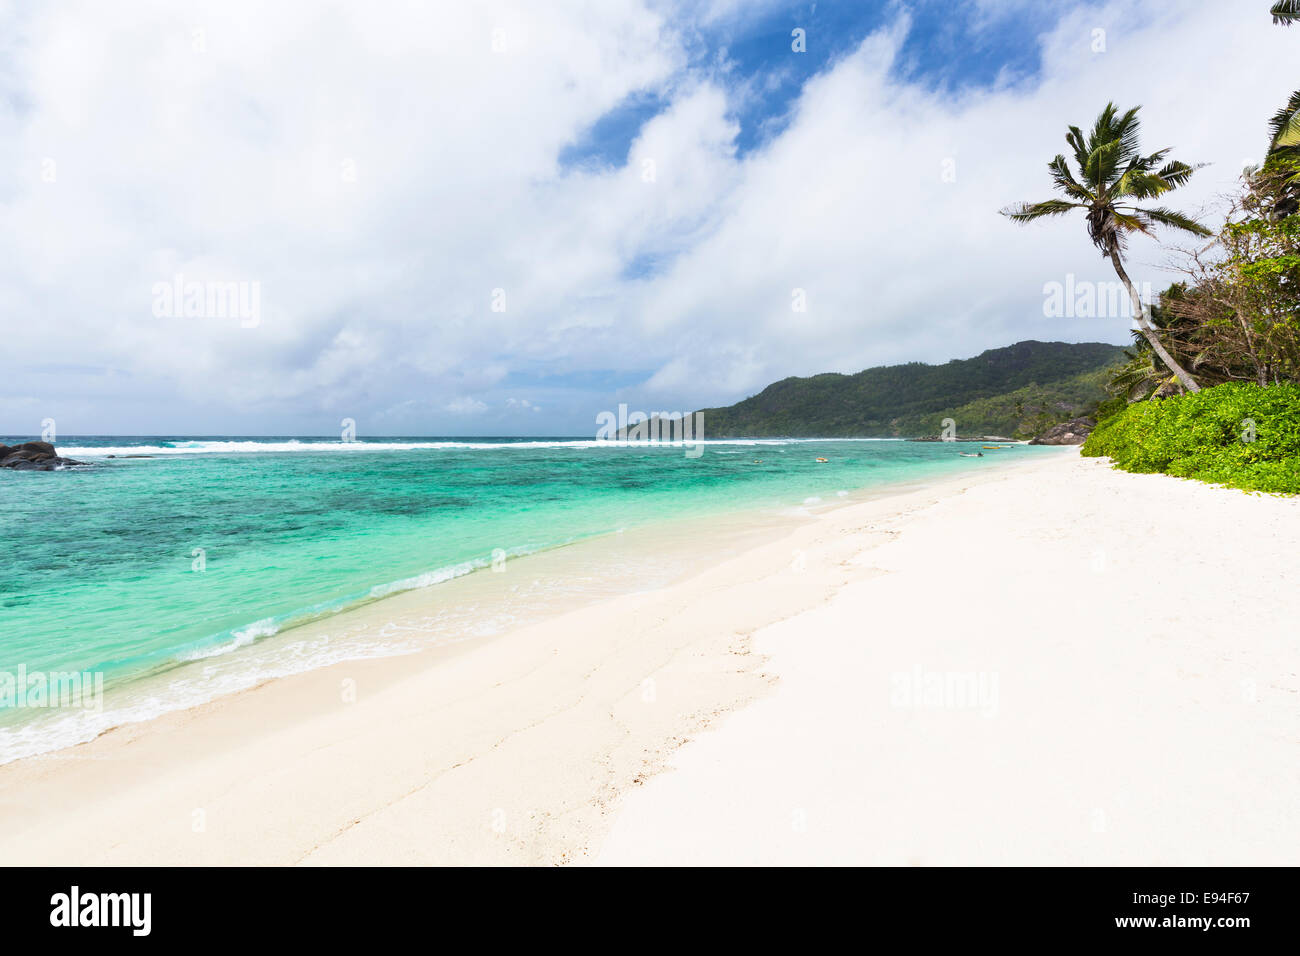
1283 159
1138 378
1284 130
1113 176
1286 124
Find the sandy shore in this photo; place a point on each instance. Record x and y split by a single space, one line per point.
1049 663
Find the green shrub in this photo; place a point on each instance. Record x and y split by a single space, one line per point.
1110 407
1239 435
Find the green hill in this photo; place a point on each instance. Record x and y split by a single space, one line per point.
1017 391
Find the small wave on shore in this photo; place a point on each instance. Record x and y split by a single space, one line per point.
271 446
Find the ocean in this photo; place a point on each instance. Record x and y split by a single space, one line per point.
216 562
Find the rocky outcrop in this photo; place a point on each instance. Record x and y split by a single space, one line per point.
33 456
1073 432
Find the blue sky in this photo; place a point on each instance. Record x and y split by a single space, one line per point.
508 216
951 47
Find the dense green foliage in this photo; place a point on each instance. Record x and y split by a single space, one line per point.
1028 411
1241 435
1017 391
1237 318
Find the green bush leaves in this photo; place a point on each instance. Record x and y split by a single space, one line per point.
1239 435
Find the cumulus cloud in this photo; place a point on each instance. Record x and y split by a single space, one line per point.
390 177
466 406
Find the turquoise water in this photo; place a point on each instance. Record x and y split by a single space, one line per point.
138 565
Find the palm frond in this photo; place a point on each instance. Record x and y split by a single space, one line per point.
1065 180
1103 163
1173 220
1111 169
1286 12
1177 174
1101 128
1111 146
1148 163
1127 131
1075 138
1141 186
1028 212
1134 221
1285 124
1139 376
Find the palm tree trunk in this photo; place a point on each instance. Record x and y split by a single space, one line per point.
1145 327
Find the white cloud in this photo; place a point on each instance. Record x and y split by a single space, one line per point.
380 171
466 406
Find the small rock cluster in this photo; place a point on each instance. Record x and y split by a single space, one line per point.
1073 432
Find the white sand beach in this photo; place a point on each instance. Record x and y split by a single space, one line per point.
1046 663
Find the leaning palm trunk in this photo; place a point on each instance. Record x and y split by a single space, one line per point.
1147 329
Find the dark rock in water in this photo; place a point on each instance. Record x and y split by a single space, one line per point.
1073 432
33 456
29 450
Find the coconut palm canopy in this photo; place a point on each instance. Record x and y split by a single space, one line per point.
1113 177
1286 12
1286 124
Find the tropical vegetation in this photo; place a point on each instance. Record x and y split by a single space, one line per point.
1236 434
1210 388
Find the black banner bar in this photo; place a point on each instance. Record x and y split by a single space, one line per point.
1179 907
